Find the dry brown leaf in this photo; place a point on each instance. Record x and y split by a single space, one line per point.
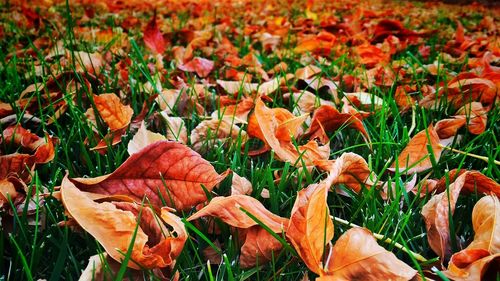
116 115
275 127
436 212
472 263
415 157
447 128
166 172
143 138
259 247
114 224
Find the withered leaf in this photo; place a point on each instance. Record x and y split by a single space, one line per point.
415 157
114 225
143 138
168 173
116 115
472 263
311 227
357 256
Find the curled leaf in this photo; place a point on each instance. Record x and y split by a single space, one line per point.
117 225
472 263
310 227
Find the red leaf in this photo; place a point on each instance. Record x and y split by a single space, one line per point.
166 172
153 38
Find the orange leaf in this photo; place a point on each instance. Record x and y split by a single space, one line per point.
310 227
328 119
228 209
259 244
357 256
349 169
113 224
258 247
166 172
437 211
484 251
415 156
113 112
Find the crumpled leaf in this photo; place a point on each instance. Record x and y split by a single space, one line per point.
484 251
116 115
259 244
355 256
473 114
437 210
415 157
276 127
16 168
114 225
168 173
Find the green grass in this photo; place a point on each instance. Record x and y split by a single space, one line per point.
35 245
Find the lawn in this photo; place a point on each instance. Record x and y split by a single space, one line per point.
249 140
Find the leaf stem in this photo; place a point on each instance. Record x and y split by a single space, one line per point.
484 158
417 256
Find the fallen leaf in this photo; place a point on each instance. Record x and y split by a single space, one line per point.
176 129
484 251
209 132
116 115
415 157
437 210
240 185
328 119
310 228
143 138
349 169
357 256
153 38
201 66
259 245
117 225
228 209
167 173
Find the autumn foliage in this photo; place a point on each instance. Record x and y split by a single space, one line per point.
311 140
